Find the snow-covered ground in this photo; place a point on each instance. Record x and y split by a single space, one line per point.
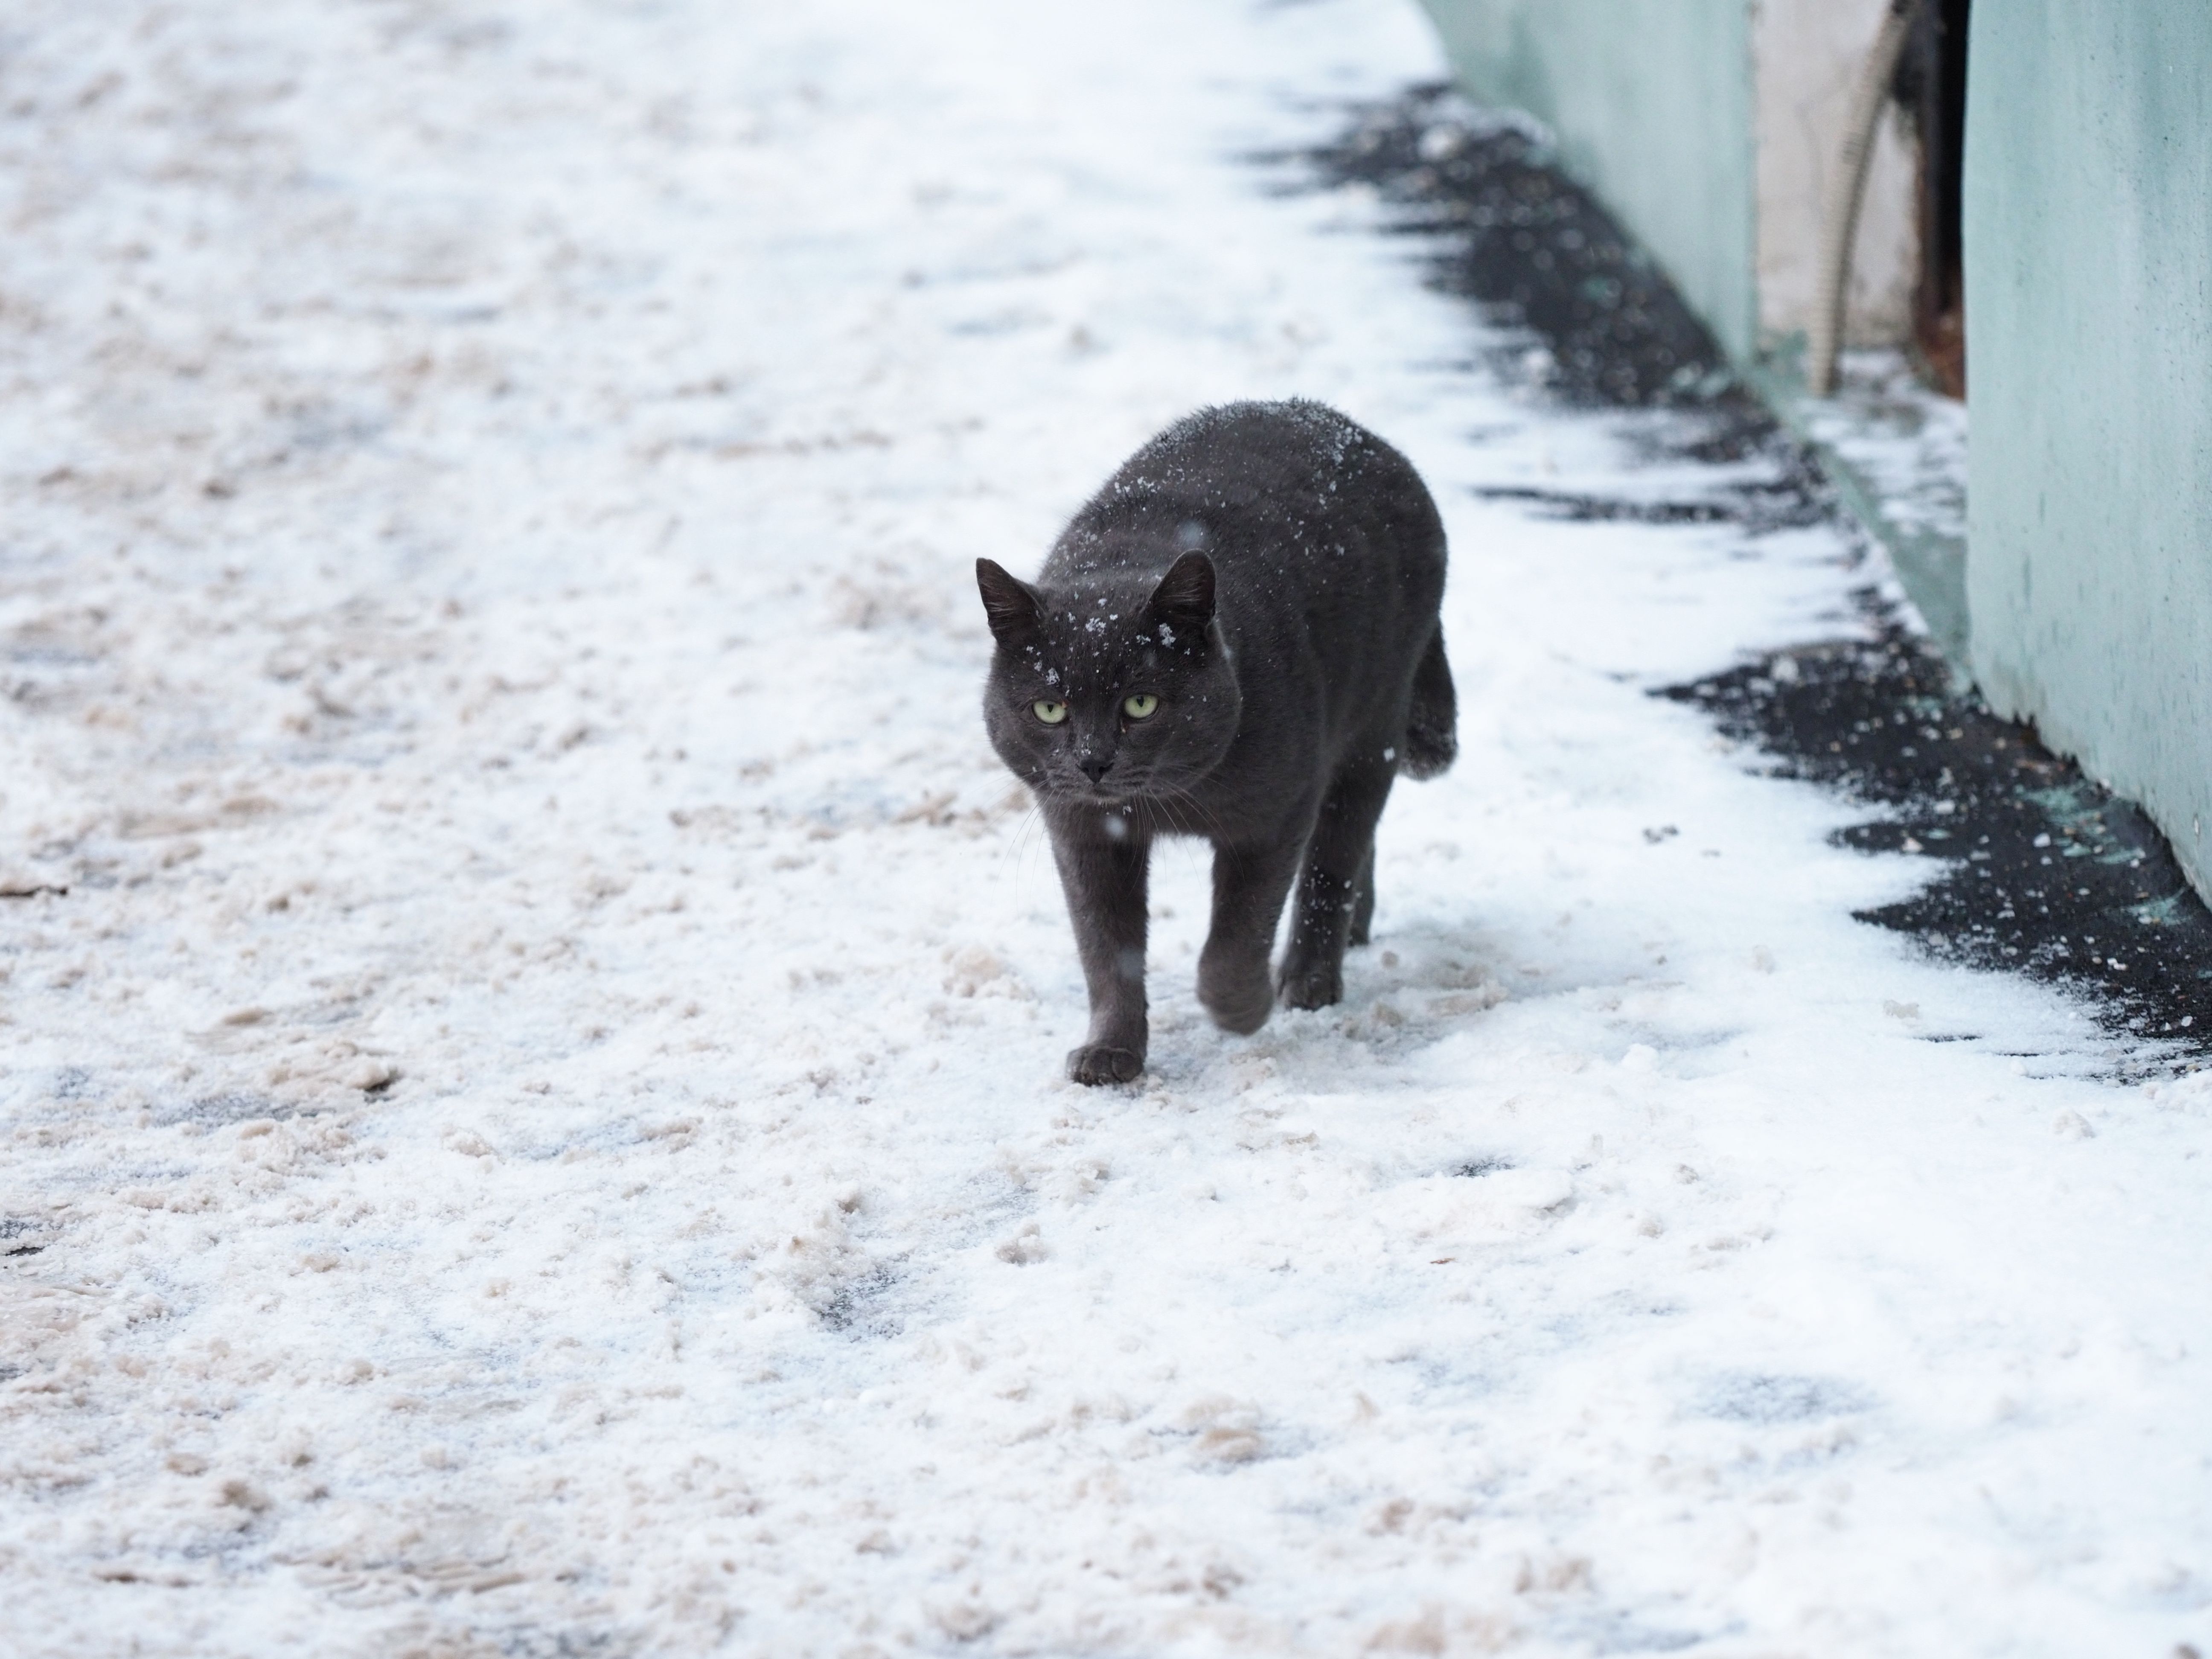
536 1125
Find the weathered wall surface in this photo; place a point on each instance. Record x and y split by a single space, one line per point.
1712 127
2089 264
1806 59
1651 101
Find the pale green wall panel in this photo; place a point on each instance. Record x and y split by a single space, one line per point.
2089 245
1652 100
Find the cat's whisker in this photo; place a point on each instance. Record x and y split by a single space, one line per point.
1019 844
1206 815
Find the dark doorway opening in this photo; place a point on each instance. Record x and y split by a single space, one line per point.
1932 84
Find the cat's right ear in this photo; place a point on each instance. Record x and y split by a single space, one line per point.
1011 605
1184 598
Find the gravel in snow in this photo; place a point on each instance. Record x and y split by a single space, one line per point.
534 1021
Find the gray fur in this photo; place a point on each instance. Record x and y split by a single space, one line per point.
1271 574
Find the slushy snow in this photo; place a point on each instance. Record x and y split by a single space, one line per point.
533 1020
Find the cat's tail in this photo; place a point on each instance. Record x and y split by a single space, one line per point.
1432 734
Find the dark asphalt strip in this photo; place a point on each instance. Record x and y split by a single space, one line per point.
2042 872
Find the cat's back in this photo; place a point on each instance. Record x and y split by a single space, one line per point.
1328 554
1274 459
1295 486
1247 454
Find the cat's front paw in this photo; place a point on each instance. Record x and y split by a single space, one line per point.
1311 985
1239 999
1098 1062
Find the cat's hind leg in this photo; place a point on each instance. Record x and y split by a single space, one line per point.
1339 864
1432 720
1362 902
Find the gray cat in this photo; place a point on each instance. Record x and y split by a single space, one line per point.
1236 638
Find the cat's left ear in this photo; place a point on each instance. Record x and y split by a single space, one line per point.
1184 598
1011 605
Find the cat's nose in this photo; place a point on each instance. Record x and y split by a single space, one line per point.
1094 766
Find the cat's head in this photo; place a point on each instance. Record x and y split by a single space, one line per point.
1115 689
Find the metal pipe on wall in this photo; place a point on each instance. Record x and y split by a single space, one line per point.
1840 227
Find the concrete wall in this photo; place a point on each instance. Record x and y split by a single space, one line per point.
1806 57
1651 101
2088 267
1712 127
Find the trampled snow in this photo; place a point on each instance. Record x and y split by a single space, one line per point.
534 1020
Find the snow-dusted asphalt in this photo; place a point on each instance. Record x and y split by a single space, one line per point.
534 1124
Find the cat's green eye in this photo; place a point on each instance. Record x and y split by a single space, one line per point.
1139 706
1051 713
